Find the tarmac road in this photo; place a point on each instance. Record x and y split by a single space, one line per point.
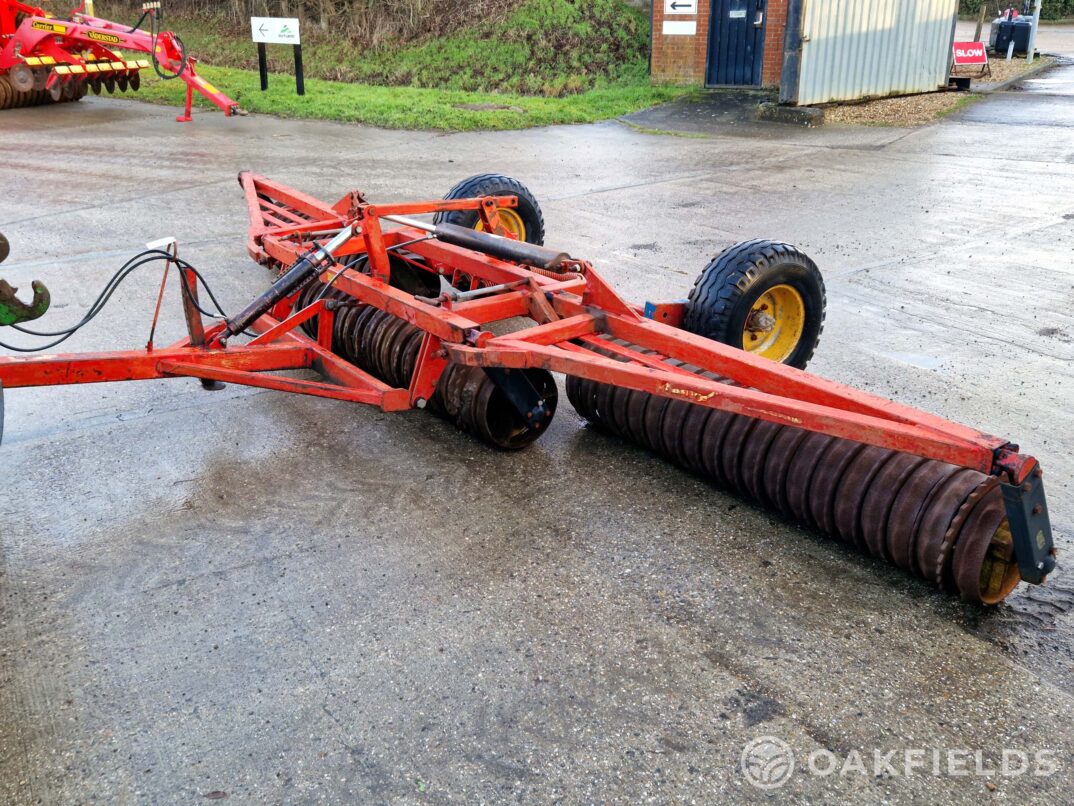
295 600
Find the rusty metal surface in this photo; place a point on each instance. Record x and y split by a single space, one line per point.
879 499
11 98
973 544
824 490
909 508
855 483
800 476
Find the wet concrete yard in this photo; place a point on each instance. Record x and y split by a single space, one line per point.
297 600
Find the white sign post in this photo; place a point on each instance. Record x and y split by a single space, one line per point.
278 31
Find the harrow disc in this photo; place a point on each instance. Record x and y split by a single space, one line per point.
22 78
13 98
387 347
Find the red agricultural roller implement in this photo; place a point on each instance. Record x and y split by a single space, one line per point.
46 59
469 315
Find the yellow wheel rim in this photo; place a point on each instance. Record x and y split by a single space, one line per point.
775 324
510 220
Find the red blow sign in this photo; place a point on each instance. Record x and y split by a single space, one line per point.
970 53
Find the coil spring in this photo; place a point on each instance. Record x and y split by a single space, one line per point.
387 348
943 523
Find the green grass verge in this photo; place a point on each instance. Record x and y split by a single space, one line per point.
541 47
414 107
544 62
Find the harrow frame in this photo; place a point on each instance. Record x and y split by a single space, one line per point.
572 310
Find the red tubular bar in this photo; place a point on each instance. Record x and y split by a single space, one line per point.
141 365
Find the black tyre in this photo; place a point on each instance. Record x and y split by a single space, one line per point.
524 222
763 297
5 248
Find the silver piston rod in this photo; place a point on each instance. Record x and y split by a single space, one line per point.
308 266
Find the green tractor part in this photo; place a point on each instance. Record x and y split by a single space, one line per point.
12 309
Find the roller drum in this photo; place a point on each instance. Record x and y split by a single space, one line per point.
942 523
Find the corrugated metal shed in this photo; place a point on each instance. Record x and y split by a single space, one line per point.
843 50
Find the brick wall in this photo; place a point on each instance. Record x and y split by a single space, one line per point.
683 59
773 43
680 59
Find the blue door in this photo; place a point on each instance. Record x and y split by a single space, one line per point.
736 42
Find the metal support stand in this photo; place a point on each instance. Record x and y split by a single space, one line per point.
300 78
194 326
1031 50
186 117
262 65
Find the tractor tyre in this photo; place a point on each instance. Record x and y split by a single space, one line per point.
525 222
764 297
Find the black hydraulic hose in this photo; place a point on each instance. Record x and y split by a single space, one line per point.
132 265
138 24
154 33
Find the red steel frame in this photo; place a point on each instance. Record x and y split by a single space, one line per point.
573 310
67 43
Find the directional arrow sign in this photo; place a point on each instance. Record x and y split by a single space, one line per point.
680 7
284 30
